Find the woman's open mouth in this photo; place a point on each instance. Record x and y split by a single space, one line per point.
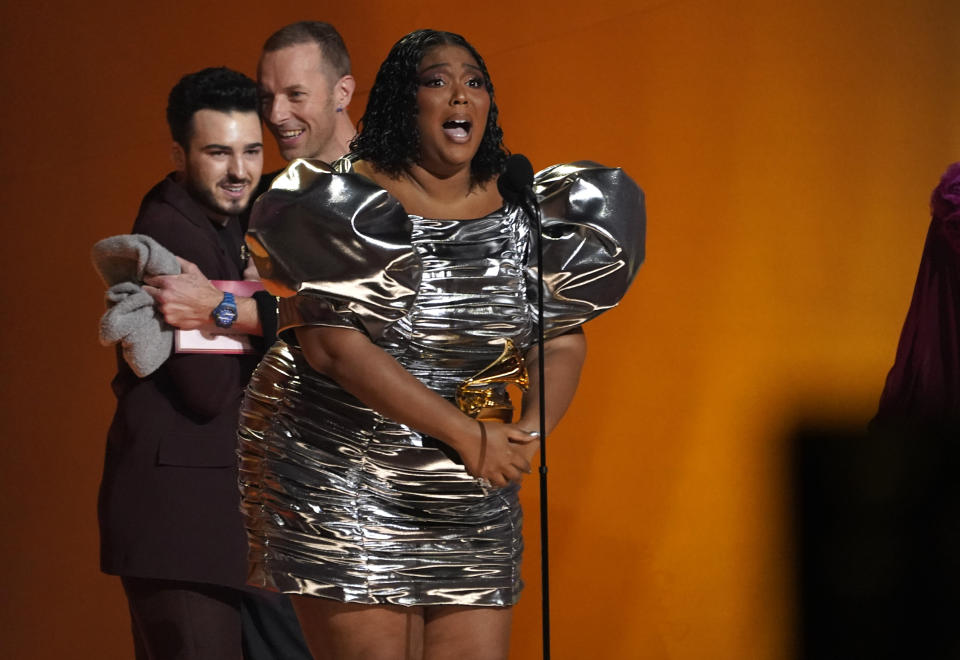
457 130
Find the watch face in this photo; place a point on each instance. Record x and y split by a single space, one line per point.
224 315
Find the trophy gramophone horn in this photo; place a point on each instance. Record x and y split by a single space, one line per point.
477 397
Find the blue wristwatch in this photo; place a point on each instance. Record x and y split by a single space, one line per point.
225 313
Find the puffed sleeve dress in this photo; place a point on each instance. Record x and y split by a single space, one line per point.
342 502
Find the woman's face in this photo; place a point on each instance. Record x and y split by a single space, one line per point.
453 105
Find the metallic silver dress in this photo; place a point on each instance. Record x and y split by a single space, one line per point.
342 502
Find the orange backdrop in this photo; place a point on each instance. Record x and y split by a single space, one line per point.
787 151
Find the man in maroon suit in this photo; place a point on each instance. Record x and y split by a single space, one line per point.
169 520
304 92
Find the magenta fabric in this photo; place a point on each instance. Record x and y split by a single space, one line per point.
924 383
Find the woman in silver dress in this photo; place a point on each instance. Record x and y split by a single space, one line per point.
366 489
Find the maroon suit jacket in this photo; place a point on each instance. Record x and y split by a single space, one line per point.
169 503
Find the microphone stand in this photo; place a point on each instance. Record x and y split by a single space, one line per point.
544 528
532 207
516 186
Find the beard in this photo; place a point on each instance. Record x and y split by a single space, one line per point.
206 196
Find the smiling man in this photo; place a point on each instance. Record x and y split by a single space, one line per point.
169 520
305 89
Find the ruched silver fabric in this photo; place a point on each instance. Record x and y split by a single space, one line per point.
344 503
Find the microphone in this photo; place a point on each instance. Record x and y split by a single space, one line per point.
516 183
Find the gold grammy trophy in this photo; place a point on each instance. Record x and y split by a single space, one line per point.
477 396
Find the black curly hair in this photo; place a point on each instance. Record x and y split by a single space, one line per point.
214 88
388 135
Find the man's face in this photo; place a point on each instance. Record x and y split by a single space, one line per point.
221 167
297 100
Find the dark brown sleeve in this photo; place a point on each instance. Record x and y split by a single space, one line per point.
205 384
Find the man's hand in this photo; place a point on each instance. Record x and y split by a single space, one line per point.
185 300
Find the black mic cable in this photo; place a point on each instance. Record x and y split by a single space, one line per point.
516 186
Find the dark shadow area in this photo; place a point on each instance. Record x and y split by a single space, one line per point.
877 522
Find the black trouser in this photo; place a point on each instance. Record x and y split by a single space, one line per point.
173 620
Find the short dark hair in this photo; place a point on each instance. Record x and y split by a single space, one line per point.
388 135
332 49
214 88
